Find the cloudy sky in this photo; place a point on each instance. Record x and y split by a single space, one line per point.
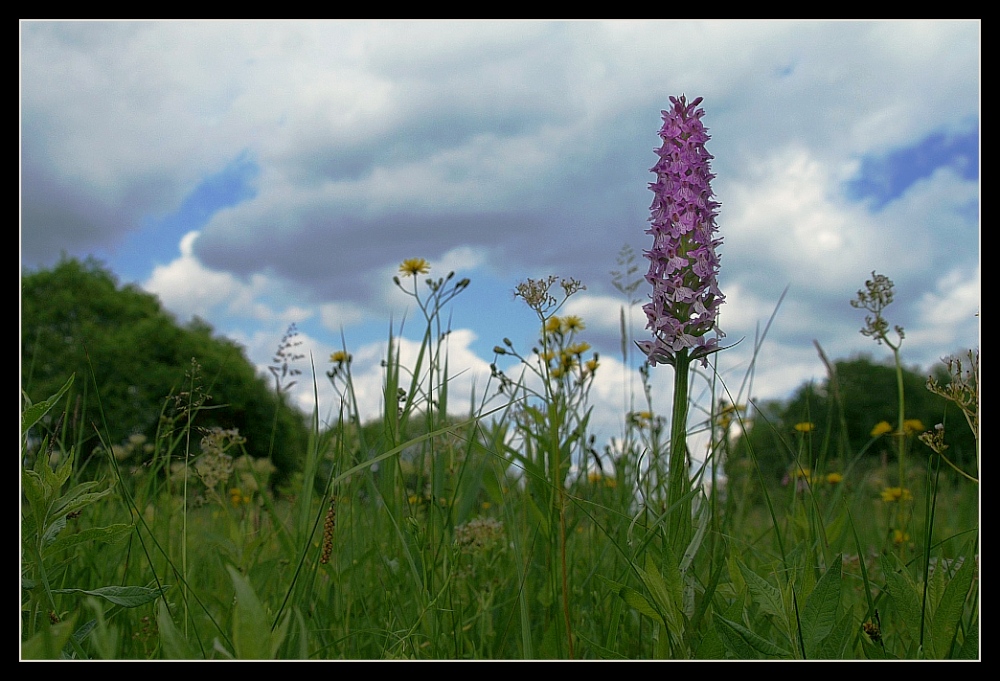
259 174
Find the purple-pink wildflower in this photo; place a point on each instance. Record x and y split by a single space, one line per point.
683 263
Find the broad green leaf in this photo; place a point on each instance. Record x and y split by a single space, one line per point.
735 645
711 646
949 611
735 574
819 615
657 588
252 637
767 596
125 596
753 640
834 646
48 643
78 498
52 531
112 534
673 580
873 650
33 413
636 600
970 646
903 591
174 645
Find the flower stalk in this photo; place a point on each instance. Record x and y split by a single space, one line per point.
683 309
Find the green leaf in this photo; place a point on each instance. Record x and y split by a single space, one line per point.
948 613
834 646
970 646
735 645
112 534
751 639
78 498
52 531
903 591
33 488
252 636
175 646
666 593
636 600
48 643
768 597
711 646
33 413
819 616
125 596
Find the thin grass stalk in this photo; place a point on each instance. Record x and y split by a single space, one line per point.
930 505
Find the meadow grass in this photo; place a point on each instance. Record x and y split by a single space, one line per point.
501 534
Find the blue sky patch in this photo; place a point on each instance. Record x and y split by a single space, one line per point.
886 178
158 237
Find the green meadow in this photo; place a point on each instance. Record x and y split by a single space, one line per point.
507 532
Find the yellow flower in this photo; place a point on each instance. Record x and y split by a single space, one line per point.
898 537
553 325
891 494
568 360
881 428
578 348
834 478
913 426
805 427
339 357
414 266
592 365
572 323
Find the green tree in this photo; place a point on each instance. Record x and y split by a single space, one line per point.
130 356
843 417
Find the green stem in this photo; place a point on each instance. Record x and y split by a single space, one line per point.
678 480
902 418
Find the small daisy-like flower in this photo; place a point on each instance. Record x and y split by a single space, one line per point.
571 323
881 428
553 325
578 348
891 494
834 478
414 266
899 537
911 426
805 427
340 357
592 364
